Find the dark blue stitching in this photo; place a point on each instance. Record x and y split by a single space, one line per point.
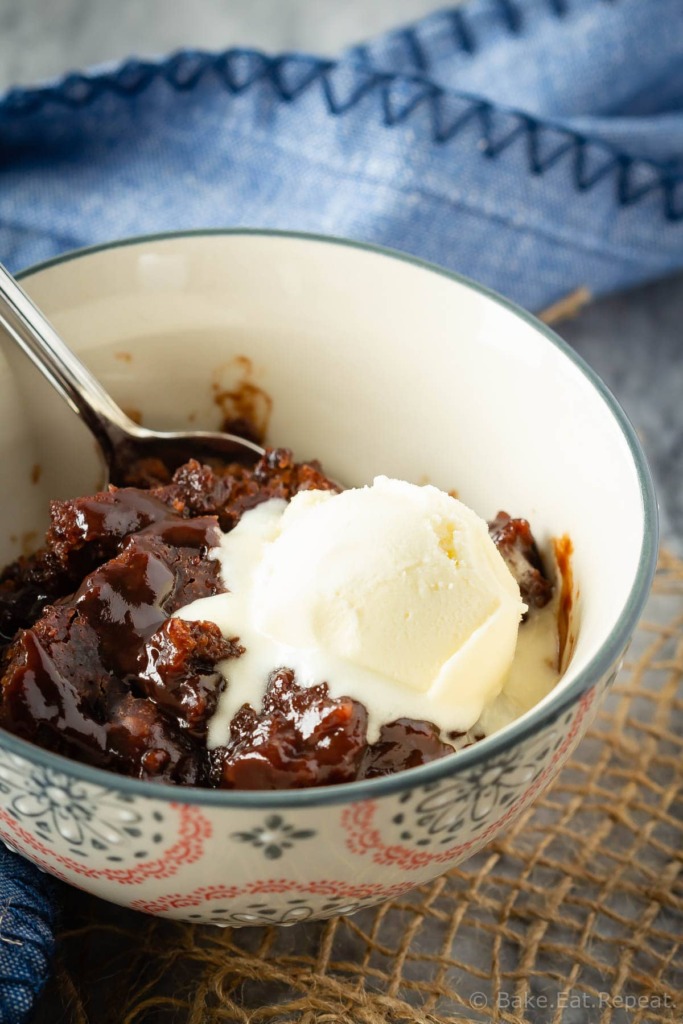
494 147
462 33
369 85
136 76
412 47
415 49
239 70
623 174
360 53
673 199
235 82
185 70
630 192
288 92
584 179
511 15
442 131
394 116
540 164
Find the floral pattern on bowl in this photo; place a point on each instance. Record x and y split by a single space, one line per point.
472 807
295 901
331 858
70 827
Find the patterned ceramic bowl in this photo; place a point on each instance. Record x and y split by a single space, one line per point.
372 362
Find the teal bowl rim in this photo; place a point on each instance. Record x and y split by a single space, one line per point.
486 749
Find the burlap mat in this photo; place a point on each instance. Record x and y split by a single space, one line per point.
575 915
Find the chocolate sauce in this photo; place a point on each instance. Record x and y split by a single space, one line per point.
95 667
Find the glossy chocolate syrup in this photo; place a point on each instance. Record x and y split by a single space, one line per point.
94 666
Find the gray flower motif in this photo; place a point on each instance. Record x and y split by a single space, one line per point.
292 912
266 915
61 806
497 784
54 797
487 790
442 810
273 837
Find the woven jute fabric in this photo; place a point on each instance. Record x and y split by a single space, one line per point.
574 915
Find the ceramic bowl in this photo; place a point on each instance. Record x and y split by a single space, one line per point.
374 363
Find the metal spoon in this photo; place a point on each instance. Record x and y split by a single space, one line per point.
121 441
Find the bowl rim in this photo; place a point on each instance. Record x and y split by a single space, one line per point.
496 744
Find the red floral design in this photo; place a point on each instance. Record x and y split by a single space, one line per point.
364 837
268 887
193 830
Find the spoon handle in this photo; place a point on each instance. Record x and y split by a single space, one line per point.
38 339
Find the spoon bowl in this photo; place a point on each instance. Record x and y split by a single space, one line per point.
173 448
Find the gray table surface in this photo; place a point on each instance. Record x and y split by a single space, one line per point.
632 340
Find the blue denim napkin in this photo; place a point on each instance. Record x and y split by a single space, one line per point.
535 145
27 912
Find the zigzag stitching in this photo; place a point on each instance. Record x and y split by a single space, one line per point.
512 15
559 7
673 204
287 92
476 112
392 118
374 80
133 77
493 147
585 180
464 31
628 192
221 62
539 164
139 74
183 74
417 52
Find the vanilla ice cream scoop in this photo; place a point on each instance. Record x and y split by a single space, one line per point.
392 594
398 579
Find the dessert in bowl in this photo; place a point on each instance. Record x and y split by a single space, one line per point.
257 627
376 365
